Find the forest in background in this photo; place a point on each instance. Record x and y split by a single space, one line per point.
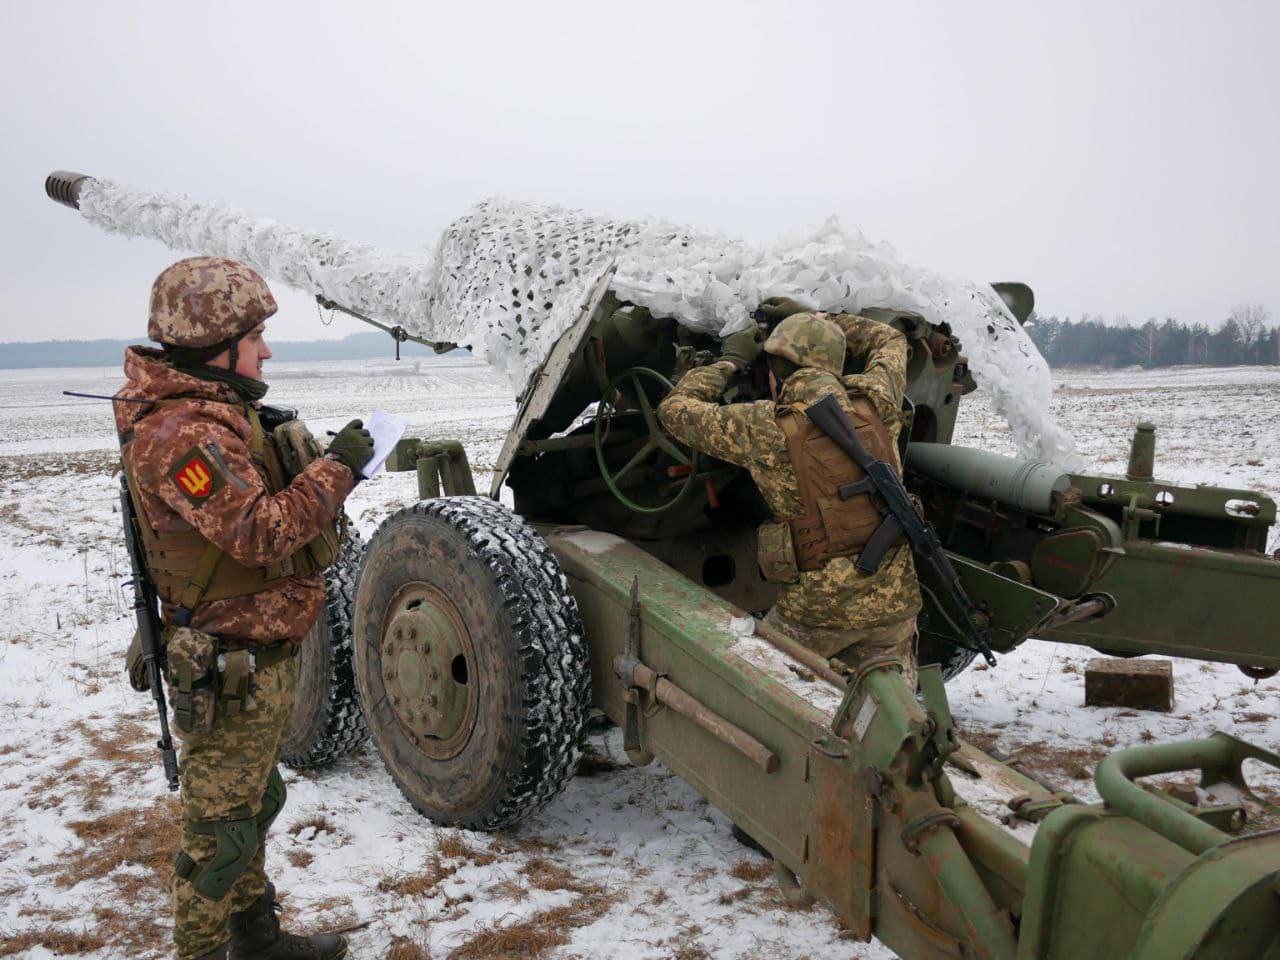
1246 337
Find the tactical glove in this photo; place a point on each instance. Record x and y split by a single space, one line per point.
774 310
743 347
353 446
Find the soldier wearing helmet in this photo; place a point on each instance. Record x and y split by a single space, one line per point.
236 548
810 545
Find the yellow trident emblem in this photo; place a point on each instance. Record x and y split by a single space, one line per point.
195 478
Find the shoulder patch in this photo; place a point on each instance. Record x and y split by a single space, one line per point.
195 477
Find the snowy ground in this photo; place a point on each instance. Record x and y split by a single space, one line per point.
628 862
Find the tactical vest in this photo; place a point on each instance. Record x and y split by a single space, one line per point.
832 526
188 569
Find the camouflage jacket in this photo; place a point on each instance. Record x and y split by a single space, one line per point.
837 596
238 514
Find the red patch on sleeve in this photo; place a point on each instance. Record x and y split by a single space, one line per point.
194 477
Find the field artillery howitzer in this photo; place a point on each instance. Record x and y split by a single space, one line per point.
856 788
481 637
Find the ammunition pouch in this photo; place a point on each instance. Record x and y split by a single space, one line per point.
776 554
135 665
236 843
191 658
235 668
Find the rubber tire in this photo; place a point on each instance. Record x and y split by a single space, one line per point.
327 720
531 660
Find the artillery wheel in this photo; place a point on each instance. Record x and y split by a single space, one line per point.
327 720
472 661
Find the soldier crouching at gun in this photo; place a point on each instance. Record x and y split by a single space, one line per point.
845 592
232 515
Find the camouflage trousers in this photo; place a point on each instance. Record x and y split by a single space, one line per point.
224 776
858 645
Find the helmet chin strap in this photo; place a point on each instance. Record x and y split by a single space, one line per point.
233 358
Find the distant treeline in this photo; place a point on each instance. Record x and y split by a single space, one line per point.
109 353
1245 338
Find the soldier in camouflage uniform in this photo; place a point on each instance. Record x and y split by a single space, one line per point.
203 489
826 604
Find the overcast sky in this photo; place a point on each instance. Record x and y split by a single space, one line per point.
1120 158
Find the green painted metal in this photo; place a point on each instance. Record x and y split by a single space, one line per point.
1023 484
442 466
1220 759
426 663
1013 610
642 381
860 811
1178 601
1142 453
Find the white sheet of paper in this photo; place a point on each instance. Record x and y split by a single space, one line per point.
386 431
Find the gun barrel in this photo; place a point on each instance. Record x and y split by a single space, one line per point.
63 186
1022 484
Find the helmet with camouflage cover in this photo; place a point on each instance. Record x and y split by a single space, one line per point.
808 340
202 302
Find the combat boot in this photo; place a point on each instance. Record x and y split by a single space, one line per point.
256 935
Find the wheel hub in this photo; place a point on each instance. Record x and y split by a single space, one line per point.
427 667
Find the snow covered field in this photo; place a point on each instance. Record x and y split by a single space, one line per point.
628 862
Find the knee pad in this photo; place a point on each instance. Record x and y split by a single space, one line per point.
272 801
236 841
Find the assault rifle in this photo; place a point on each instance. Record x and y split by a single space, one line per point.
902 518
144 606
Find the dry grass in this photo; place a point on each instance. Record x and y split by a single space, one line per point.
148 837
752 871
300 858
38 467
690 950
546 929
404 948
535 935
507 843
333 914
137 917
316 821
1253 716
420 884
453 846
545 875
58 941
508 889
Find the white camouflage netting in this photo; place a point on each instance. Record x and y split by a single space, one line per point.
509 278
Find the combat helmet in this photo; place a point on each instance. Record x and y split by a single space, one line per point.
808 340
201 303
